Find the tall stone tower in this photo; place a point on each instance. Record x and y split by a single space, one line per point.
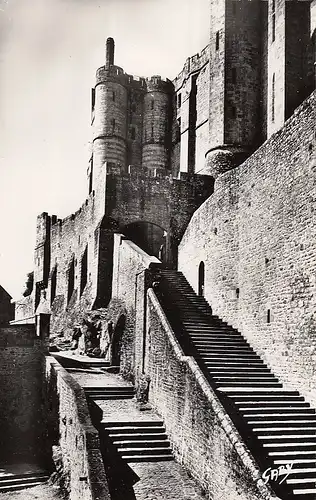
290 59
235 82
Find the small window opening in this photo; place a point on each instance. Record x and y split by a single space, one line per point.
84 271
152 131
53 285
237 293
268 316
234 75
133 107
178 134
179 100
133 133
71 280
152 104
233 112
217 40
113 95
113 125
273 20
273 99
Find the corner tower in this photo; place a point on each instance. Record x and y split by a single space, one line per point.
235 82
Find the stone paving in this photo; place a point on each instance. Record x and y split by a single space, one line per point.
41 492
164 481
157 480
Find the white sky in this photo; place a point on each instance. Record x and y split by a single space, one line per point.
49 51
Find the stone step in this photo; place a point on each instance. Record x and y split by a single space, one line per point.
282 423
234 364
297 462
270 404
297 437
110 389
120 431
249 383
147 458
227 356
274 410
22 481
137 423
258 397
305 492
247 376
241 371
139 436
289 454
110 396
309 445
128 451
149 443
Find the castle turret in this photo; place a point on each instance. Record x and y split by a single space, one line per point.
109 115
235 72
156 126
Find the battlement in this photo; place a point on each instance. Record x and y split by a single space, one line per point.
157 83
192 64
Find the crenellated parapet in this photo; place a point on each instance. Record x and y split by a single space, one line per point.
192 65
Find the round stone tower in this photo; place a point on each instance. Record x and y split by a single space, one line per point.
156 126
110 111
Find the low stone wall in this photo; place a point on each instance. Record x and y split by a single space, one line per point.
21 359
75 440
203 437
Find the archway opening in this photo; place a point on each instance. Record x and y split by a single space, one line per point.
116 347
149 237
201 279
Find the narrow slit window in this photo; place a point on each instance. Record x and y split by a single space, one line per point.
273 20
179 100
152 104
273 99
234 76
217 40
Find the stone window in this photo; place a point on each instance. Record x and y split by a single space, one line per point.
273 20
53 285
152 104
178 130
273 99
268 316
113 125
71 280
133 133
217 41
234 75
152 131
179 100
84 271
113 95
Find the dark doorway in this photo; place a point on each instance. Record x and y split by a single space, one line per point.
201 279
117 342
149 237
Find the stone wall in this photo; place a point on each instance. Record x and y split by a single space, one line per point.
257 237
21 357
75 439
202 435
129 299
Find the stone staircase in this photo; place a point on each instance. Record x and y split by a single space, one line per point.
12 482
135 438
140 441
278 425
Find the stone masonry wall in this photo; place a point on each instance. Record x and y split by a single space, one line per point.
130 265
257 237
74 436
202 435
20 391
